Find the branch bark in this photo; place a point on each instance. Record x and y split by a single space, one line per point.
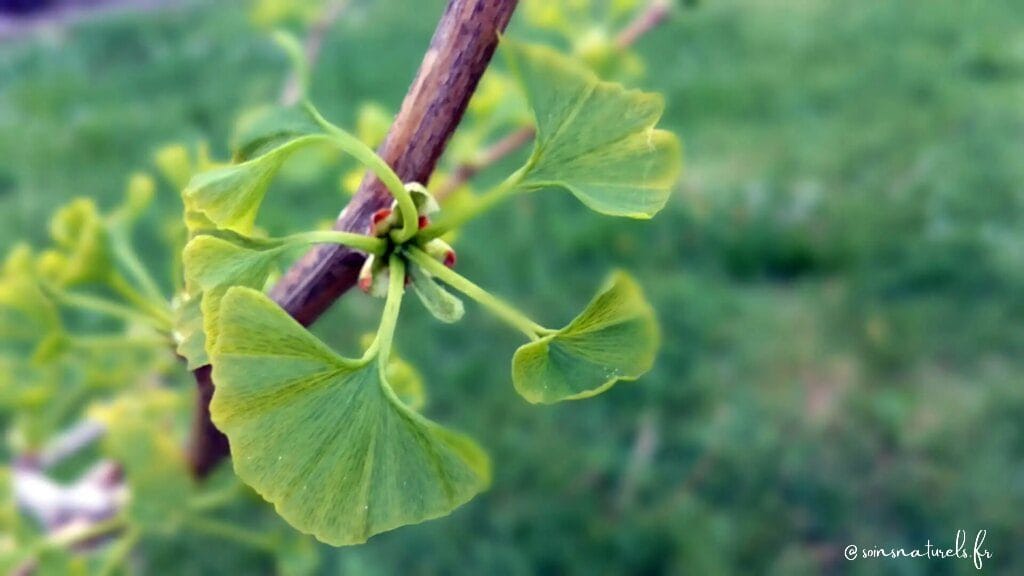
459 52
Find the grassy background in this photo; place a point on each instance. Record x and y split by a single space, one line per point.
839 279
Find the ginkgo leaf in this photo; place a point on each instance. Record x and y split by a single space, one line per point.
595 139
188 332
229 259
614 338
323 437
439 302
214 263
83 253
230 196
262 129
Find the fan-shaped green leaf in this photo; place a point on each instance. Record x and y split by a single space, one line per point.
615 338
323 437
83 250
228 259
188 331
595 139
215 263
230 196
262 129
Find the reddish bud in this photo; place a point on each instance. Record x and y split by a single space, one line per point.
423 222
441 250
381 221
380 215
366 274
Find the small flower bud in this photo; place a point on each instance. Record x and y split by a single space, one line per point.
381 222
441 250
373 277
366 274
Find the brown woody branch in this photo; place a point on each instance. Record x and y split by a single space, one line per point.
461 49
655 13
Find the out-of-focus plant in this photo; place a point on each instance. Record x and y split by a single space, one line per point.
336 443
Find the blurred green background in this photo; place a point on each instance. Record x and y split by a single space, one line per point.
840 279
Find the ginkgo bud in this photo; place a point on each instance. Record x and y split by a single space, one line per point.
441 250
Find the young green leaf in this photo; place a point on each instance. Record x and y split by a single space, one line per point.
615 338
188 331
83 250
325 438
230 196
227 259
595 139
262 129
438 301
214 263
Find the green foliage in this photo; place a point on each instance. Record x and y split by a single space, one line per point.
595 139
837 281
370 462
589 28
213 264
614 338
273 379
365 463
230 196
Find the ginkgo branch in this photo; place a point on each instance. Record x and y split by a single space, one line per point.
459 53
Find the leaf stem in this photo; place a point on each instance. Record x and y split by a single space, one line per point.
104 306
365 155
389 319
485 202
124 252
369 244
497 306
158 310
